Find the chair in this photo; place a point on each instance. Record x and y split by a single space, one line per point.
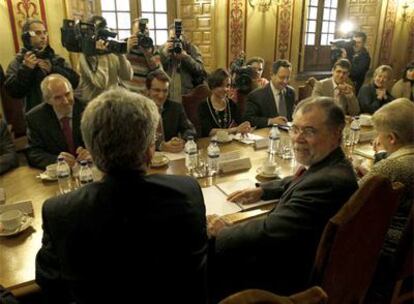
191 102
314 295
351 242
305 90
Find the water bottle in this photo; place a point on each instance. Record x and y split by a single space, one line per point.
190 149
355 130
274 136
85 173
213 154
63 175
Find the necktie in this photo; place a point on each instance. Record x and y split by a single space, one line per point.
282 105
299 172
67 132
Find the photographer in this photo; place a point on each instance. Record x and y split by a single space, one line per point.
103 70
183 63
360 60
33 63
142 55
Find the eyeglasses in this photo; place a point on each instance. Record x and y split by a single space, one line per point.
307 132
38 33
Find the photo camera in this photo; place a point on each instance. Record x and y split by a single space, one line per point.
81 37
143 40
177 47
338 44
243 80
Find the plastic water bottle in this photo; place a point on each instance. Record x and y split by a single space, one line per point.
63 176
355 130
190 149
213 154
274 136
85 173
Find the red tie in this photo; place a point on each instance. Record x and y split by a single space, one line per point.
67 132
299 172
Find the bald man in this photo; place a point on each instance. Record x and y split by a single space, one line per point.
53 127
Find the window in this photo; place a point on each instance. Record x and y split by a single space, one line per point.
118 16
156 13
319 32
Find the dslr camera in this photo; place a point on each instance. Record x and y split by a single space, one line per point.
81 37
177 47
143 40
337 45
243 80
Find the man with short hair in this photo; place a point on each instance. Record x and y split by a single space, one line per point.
360 60
257 64
33 63
338 88
272 104
53 127
174 127
276 252
143 234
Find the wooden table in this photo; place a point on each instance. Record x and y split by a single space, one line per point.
17 253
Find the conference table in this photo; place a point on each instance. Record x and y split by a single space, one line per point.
18 252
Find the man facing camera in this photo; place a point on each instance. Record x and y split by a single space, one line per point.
174 126
337 87
276 253
142 235
53 127
272 104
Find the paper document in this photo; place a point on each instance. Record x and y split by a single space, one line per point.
247 138
216 202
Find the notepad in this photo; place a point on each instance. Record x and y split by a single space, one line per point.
215 198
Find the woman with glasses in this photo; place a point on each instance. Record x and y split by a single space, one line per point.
219 112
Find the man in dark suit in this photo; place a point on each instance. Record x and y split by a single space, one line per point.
53 127
360 60
130 236
272 104
174 121
276 252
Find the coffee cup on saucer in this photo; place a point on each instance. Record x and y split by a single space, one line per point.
51 170
157 158
268 168
222 135
11 219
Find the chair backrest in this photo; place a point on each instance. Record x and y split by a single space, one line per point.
191 102
351 242
305 90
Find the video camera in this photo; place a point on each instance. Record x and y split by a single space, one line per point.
177 47
243 80
143 40
337 45
81 37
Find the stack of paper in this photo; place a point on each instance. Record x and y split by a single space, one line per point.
247 138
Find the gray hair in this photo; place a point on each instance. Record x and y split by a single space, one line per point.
118 127
335 117
44 85
396 117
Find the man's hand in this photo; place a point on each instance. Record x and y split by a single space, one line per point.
69 158
174 145
101 45
279 120
83 154
45 65
345 89
30 60
132 42
244 127
181 55
246 196
214 225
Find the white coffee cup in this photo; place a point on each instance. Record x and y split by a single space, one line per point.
51 170
222 135
268 168
157 158
11 219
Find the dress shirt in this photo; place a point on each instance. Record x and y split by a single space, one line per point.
276 96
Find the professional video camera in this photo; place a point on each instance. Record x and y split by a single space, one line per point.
177 47
337 47
81 37
143 40
243 80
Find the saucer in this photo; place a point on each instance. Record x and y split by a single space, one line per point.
164 161
45 177
227 140
26 222
267 175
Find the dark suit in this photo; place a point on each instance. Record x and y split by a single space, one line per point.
360 62
261 106
45 135
368 100
175 121
125 239
276 253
